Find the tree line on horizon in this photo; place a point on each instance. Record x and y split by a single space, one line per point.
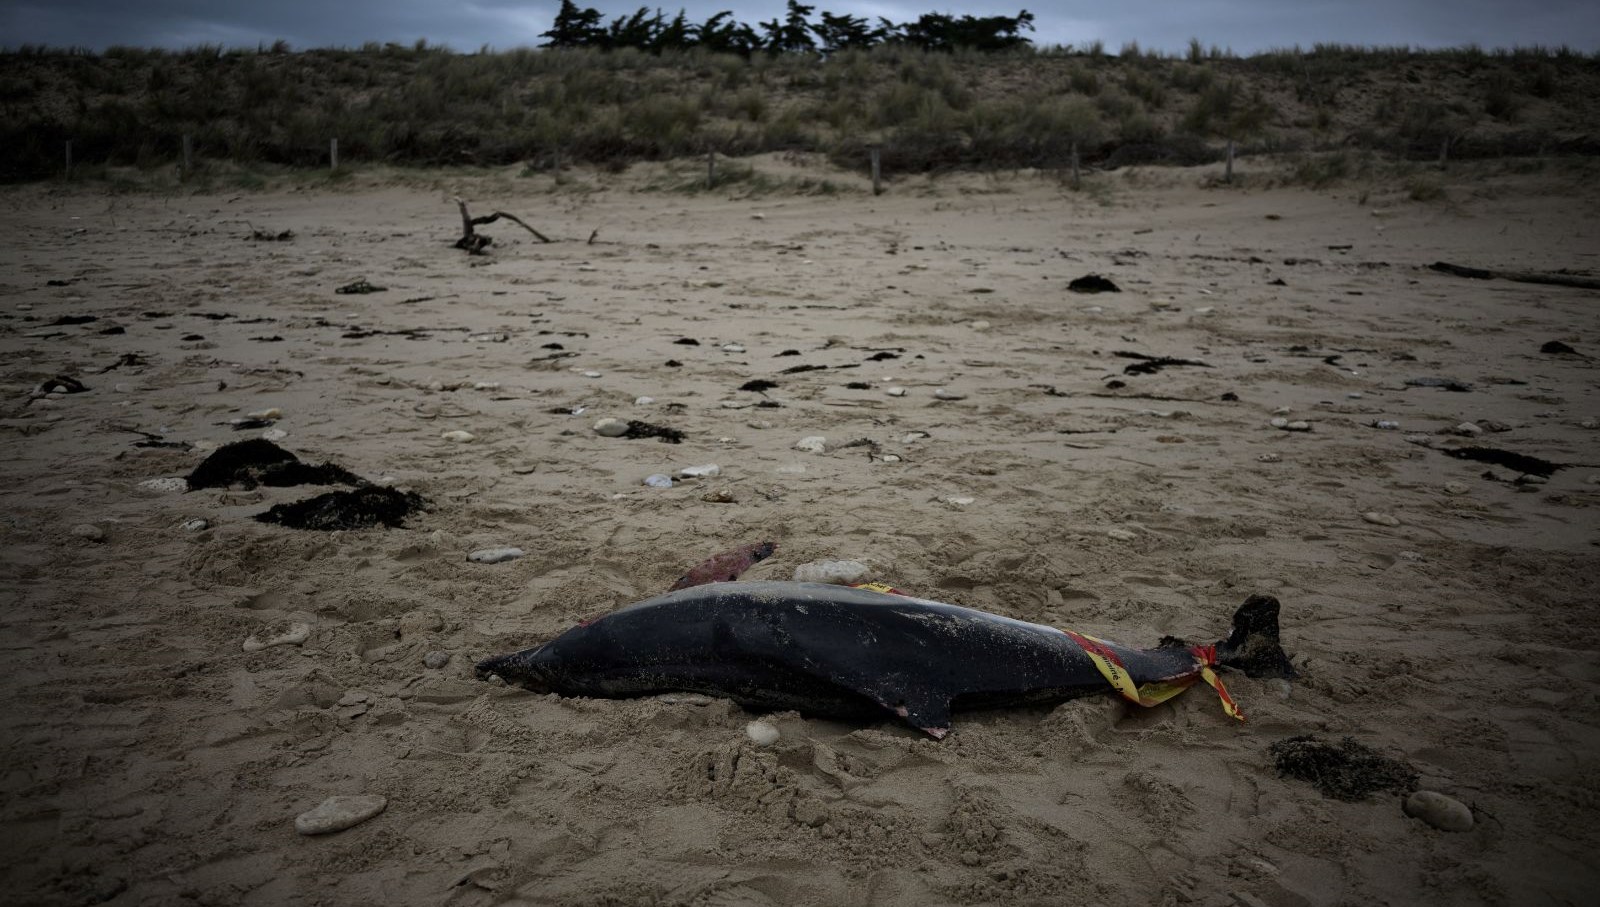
652 32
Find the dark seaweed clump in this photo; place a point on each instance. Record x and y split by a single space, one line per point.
1347 770
358 509
260 462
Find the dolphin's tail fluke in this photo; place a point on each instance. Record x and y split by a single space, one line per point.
1253 647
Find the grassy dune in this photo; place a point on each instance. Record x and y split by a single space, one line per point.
423 106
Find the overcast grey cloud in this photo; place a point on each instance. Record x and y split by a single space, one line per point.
1243 25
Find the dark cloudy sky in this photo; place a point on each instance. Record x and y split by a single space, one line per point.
1244 25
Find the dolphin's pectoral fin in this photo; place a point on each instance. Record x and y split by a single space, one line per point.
926 711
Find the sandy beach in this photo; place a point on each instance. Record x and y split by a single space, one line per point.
1439 610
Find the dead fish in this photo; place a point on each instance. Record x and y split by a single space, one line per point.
857 654
727 566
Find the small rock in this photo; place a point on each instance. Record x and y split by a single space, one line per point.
1269 458
958 500
1297 426
1122 535
458 436
274 434
591 374
812 444
89 532
1386 424
338 813
1589 423
485 385
979 325
759 424
708 471
195 525
294 636
1468 429
1279 422
488 337
610 428
269 413
719 497
1455 488
762 733
1353 395
943 394
895 391
1381 519
1492 425
643 401
733 348
436 659
912 437
658 481
836 572
1436 809
167 485
1282 411
1412 556
890 458
495 555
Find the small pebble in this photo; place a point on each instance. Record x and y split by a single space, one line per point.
591 374
943 394
958 500
762 733
708 471
1282 411
1122 535
294 636
1386 424
270 413
1468 429
1353 395
658 481
195 525
1269 458
458 436
1455 488
836 572
610 428
89 532
896 391
338 813
719 497
644 401
435 659
890 458
732 348
1381 519
495 555
274 434
1589 423
1297 426
1436 809
169 485
1279 422
979 325
812 444
485 385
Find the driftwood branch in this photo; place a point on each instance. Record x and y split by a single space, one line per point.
1560 280
473 241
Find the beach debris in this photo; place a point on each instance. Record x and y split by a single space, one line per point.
495 555
1436 809
1557 348
687 341
295 635
246 464
1149 365
733 348
1290 424
1467 429
89 532
61 384
195 525
1093 283
1559 278
637 429
339 813
360 287
720 496
895 391
458 436
1449 384
759 385
812 444
610 428
958 500
68 320
435 659
839 573
658 480
358 509
1522 463
1385 424
797 369
473 242
727 566
946 394
1269 458
1380 519
1348 770
858 386
259 235
762 733
882 355
706 471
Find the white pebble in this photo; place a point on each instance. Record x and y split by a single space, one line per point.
435 659
294 636
958 500
812 444
979 325
658 481
890 458
195 525
495 555
168 485
1279 422
708 471
485 385
1589 423
944 394
1381 519
610 428
644 401
896 391
338 813
274 434
1436 809
1455 488
1297 426
732 348
1468 429
458 436
762 733
270 413
836 572
89 532
1386 424
1122 535
591 374
1282 411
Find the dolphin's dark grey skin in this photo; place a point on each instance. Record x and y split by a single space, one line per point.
839 652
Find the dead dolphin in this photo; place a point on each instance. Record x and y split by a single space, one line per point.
855 654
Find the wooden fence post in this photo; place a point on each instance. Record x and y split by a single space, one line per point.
877 174
1077 177
711 170
1227 175
333 154
188 157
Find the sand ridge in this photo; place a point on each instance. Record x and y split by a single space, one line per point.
149 759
